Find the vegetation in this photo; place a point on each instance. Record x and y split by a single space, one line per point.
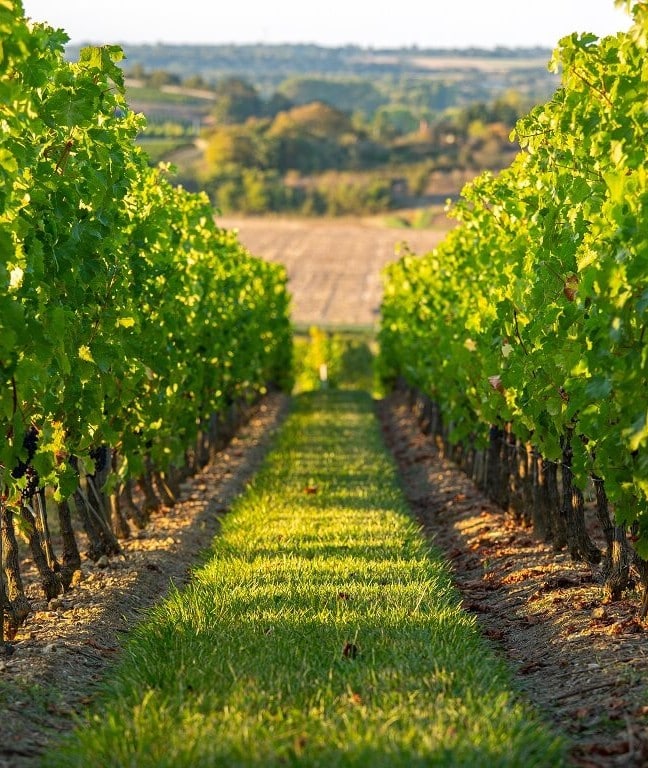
334 360
265 149
526 328
157 149
131 327
320 628
462 76
319 631
315 158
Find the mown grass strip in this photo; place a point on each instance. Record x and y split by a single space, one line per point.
320 631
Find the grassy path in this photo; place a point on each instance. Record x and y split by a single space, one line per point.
320 631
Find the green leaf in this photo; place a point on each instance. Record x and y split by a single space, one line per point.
68 481
580 190
8 162
615 181
70 108
104 59
638 432
599 387
92 55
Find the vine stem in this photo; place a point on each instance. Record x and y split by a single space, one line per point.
591 85
517 332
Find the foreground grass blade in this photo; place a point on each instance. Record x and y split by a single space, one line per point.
320 631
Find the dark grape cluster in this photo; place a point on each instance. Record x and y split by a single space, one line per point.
30 445
33 483
100 457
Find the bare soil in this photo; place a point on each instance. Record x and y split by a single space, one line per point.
67 647
581 662
334 265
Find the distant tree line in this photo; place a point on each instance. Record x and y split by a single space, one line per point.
279 149
275 154
158 78
267 65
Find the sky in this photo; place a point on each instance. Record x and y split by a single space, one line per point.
368 23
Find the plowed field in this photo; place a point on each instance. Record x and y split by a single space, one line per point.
333 265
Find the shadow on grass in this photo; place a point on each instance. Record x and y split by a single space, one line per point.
322 631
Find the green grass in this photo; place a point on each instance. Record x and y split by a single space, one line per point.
164 97
246 666
159 148
349 357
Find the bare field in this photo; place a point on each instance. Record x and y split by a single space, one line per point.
333 265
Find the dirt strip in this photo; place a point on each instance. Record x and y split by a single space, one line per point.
582 663
66 648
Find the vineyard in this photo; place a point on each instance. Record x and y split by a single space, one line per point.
319 607
134 332
522 337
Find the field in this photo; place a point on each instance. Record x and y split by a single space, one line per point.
333 265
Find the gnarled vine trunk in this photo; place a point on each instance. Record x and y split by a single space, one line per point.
128 506
541 508
495 438
165 492
616 565
581 547
152 502
71 559
42 526
118 522
18 604
50 580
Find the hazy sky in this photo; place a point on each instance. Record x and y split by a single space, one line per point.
370 23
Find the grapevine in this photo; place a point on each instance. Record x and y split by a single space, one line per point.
132 328
530 318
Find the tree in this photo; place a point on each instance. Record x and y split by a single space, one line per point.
138 71
236 101
392 121
347 94
196 82
314 119
229 145
160 78
278 103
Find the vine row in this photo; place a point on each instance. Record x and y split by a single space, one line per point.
133 329
530 318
